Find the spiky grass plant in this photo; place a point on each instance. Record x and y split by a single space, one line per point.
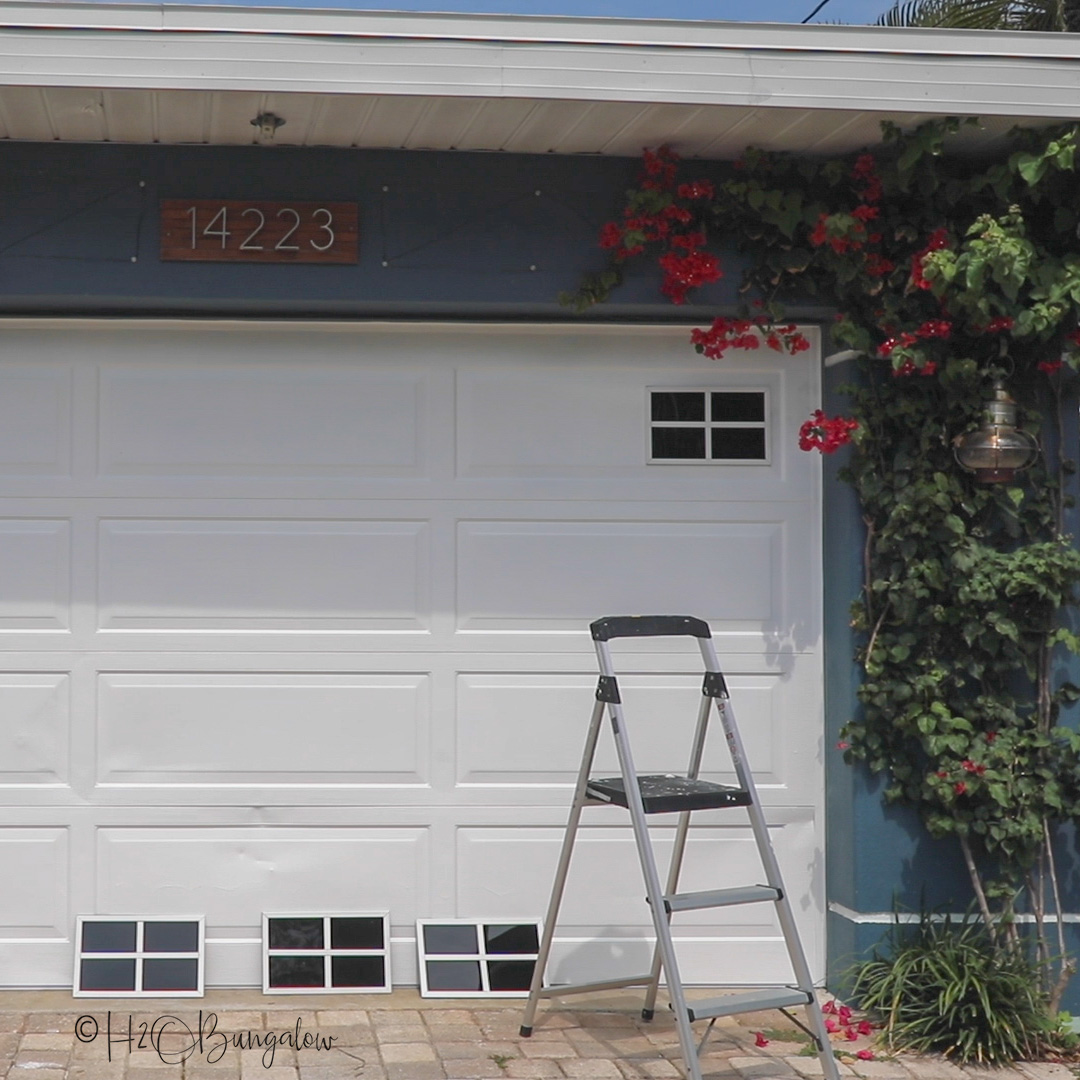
944 986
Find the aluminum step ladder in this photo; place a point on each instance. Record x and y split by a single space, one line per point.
648 794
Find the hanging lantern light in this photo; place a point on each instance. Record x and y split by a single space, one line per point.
999 449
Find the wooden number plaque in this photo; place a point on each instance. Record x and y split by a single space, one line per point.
232 230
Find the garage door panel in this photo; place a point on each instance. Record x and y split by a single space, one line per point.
35 574
234 874
34 900
35 420
171 728
202 574
559 575
36 711
529 728
259 421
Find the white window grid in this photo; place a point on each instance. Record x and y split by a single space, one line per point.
482 955
139 955
327 953
707 424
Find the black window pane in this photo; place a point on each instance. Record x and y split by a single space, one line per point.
511 939
356 933
297 971
170 937
729 405
453 975
678 405
510 974
450 939
107 975
686 443
170 974
296 933
358 971
746 444
108 937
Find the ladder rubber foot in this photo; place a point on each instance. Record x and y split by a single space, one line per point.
525 1032
647 1014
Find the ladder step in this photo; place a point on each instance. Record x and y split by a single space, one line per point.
777 997
713 898
663 793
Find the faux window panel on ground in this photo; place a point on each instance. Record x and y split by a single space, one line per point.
471 958
326 954
138 956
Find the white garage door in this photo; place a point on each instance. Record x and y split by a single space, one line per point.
294 618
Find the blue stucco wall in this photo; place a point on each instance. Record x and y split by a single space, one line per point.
442 235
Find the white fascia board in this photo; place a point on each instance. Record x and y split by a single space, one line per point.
167 47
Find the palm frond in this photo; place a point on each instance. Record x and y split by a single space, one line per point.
977 14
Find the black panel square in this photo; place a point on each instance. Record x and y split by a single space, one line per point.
450 938
453 975
678 405
171 937
173 974
108 936
510 974
678 443
743 444
746 407
297 971
519 938
107 975
358 971
296 934
357 933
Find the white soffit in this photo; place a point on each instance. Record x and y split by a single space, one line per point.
141 73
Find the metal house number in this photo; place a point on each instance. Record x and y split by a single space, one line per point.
208 230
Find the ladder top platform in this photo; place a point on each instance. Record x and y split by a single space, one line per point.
663 793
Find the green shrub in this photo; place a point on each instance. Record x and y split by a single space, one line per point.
946 987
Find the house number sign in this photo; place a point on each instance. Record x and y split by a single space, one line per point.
232 230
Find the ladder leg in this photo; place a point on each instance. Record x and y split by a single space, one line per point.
666 946
562 870
697 749
803 978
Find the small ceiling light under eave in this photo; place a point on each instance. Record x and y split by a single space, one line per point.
998 449
266 124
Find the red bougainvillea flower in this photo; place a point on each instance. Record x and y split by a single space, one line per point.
941 774
841 745
999 324
1050 367
865 1027
759 1039
824 433
960 788
866 213
939 238
685 272
611 235
865 1055
935 328
831 1026
850 1034
699 189
969 766
991 736
829 1008
876 266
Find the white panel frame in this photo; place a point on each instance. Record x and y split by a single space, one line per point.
328 952
481 956
139 956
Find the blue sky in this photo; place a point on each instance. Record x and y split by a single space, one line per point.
789 11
